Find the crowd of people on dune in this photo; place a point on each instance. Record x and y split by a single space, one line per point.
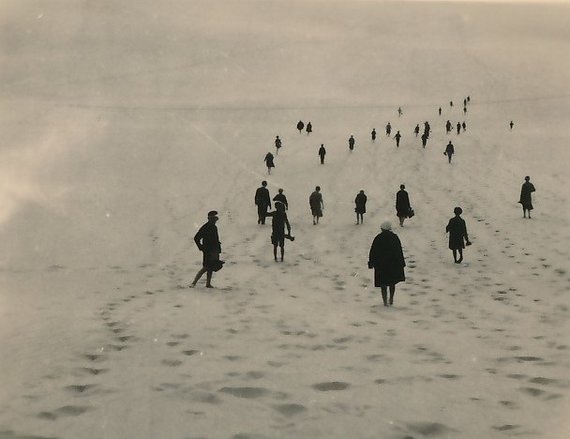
386 255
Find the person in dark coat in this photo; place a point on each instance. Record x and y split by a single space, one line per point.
447 127
322 153
424 139
373 135
439 111
511 124
317 205
387 259
526 198
464 126
427 128
351 142
397 136
458 237
269 162
278 144
280 221
281 198
208 242
300 126
458 128
360 208
403 206
388 129
449 151
262 201
400 112
417 130
309 128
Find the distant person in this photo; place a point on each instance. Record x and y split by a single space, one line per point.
458 128
464 110
322 154
373 135
388 129
512 124
400 112
439 111
397 136
424 139
451 103
457 235
317 205
309 128
465 102
403 206
387 259
281 198
526 198
300 126
262 201
280 221
449 151
269 162
447 127
417 130
360 208
208 242
278 145
468 99
427 128
351 142
464 126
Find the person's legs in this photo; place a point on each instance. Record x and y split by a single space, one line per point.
209 279
454 255
392 291
275 252
357 218
361 218
385 295
460 260
282 251
401 218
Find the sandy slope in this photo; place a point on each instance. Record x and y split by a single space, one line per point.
123 125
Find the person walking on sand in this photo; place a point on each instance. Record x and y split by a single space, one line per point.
281 198
458 128
388 129
351 143
464 126
309 128
447 126
277 145
427 128
280 221
387 259
300 126
360 208
322 153
269 162
526 198
511 124
400 112
373 135
449 151
458 237
317 205
417 130
262 201
209 244
439 111
403 206
397 136
424 139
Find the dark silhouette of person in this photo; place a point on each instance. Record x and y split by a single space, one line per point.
464 110
424 139
403 206
397 136
451 103
464 126
280 221
262 201
400 112
373 135
317 205
417 130
449 151
447 127
458 237
439 111
208 242
387 259
281 198
309 128
468 99
300 126
427 128
465 102
351 142
278 144
269 162
360 208
322 154
388 129
526 198
458 127
512 124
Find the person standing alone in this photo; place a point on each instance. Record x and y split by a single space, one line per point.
262 201
526 198
322 153
360 208
317 205
208 243
403 207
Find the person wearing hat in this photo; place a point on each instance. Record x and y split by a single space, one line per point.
526 198
280 221
458 237
387 259
209 244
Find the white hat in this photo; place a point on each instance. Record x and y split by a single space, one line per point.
386 225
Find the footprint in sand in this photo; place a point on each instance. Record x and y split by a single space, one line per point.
68 410
245 392
330 386
290 410
430 429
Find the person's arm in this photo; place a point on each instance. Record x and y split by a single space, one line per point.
198 238
532 189
465 233
287 225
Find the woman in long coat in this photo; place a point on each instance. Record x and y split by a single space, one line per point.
526 198
269 162
360 208
402 205
458 237
387 259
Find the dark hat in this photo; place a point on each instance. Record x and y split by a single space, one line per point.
212 213
458 211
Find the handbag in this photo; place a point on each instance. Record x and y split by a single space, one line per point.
411 213
217 266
